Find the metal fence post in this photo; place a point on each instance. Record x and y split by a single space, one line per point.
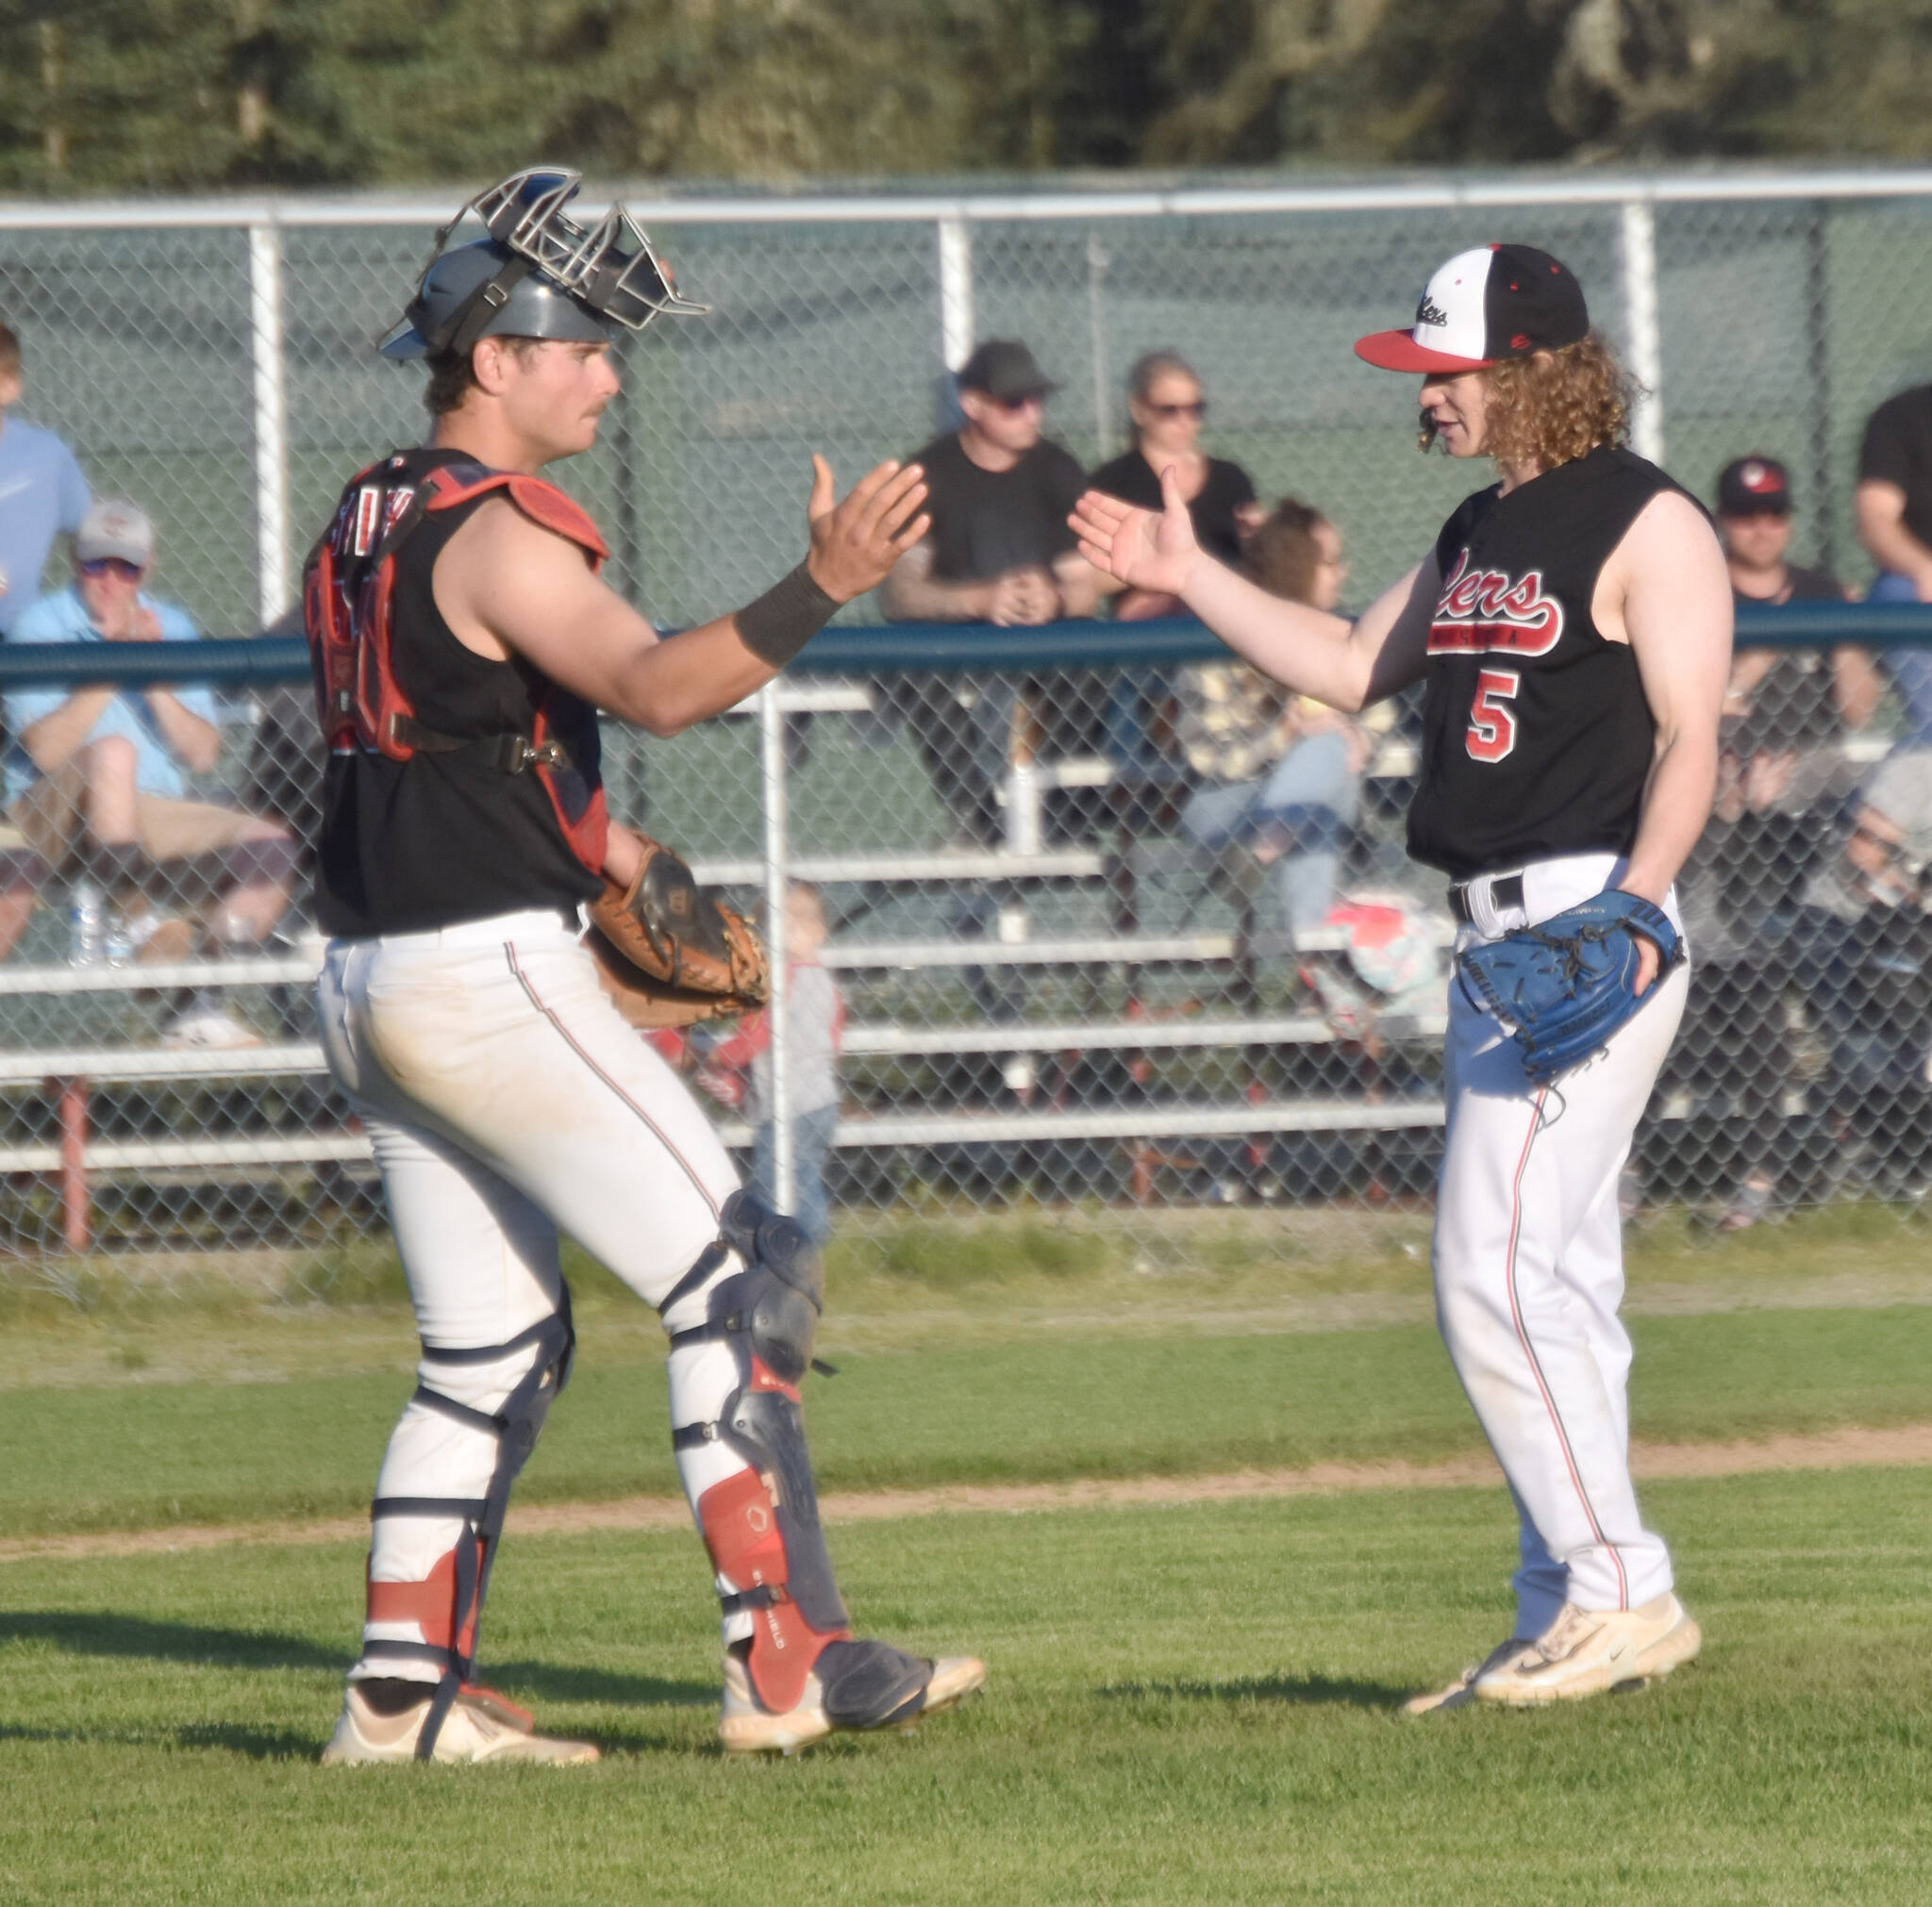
272 588
956 290
1818 345
624 459
771 741
1098 261
1641 314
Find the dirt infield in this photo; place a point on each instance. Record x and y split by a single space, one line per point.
1909 1445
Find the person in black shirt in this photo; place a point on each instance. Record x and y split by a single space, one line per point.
1168 406
1895 506
463 646
1792 698
998 491
999 551
1571 626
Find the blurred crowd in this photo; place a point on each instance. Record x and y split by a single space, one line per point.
1806 898
104 780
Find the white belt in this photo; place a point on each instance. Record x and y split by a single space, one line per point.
1510 898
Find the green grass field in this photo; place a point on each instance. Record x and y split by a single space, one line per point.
1194 1704
1188 1704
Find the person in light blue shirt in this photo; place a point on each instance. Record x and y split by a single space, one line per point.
43 492
96 776
164 727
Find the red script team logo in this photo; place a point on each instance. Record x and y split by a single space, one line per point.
1481 610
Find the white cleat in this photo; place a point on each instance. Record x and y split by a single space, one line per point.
954 1678
481 1725
1462 1692
746 1727
1590 1651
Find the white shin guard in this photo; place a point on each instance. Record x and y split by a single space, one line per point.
441 1502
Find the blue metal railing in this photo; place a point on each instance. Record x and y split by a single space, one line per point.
900 648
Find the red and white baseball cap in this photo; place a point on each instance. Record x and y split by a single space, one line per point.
1495 302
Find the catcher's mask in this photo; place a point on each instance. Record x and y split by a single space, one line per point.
537 273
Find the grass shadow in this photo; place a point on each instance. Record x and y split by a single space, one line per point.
105 1633
555 1683
281 1745
258 1743
1300 1690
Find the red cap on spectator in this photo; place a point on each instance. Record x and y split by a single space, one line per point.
1754 486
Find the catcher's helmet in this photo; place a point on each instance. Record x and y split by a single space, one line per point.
537 275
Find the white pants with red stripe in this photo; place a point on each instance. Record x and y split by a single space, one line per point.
1529 1271
506 1100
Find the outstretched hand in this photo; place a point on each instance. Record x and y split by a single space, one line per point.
856 542
1143 550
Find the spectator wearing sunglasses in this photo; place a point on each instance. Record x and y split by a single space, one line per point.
1169 407
97 776
1000 550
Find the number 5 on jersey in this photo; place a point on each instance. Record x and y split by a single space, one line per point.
1491 720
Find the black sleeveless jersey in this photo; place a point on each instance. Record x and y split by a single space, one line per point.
1537 738
408 846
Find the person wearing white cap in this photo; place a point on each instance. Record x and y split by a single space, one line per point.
1571 626
96 776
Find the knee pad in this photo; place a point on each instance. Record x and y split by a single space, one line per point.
762 1523
447 1603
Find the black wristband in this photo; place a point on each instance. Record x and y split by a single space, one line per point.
781 621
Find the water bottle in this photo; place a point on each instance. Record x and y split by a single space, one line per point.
118 941
87 923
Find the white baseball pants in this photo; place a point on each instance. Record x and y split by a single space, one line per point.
1529 1269
505 1100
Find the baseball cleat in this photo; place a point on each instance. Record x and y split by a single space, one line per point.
1588 1652
481 1725
864 1685
1462 1692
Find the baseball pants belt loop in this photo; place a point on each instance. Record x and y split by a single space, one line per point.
1481 902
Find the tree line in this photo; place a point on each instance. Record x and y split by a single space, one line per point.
185 95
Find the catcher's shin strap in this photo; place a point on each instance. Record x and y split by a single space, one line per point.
762 1286
448 1607
1506 891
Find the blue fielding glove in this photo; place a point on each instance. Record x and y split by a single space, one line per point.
1564 986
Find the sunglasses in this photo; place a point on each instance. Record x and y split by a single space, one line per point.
1169 412
112 566
1016 404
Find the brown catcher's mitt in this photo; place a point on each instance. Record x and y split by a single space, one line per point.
673 953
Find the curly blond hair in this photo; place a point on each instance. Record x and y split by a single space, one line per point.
1554 406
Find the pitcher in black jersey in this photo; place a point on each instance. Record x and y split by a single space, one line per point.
463 646
1572 628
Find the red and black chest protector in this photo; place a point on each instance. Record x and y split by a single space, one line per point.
457 788
1537 736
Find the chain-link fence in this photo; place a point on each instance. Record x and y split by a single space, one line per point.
1090 955
1095 952
213 360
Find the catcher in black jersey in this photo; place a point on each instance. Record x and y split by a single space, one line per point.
1572 627
463 643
